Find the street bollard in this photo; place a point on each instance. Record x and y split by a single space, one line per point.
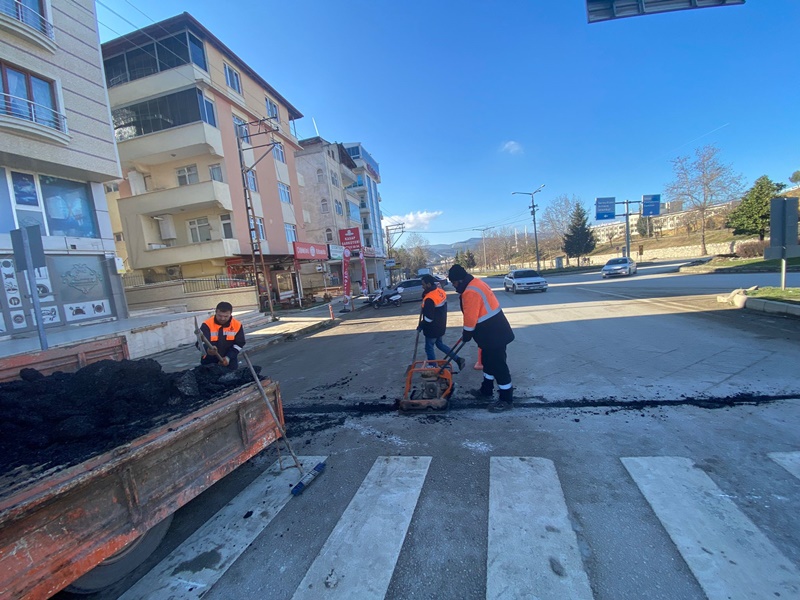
330 308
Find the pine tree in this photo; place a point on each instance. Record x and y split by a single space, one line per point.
751 217
469 261
579 239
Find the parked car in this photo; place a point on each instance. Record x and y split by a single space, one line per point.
410 289
442 280
619 266
524 280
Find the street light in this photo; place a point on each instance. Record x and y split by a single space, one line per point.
533 212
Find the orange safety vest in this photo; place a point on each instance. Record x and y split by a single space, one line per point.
438 295
478 303
228 332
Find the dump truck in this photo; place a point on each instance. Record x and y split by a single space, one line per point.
85 526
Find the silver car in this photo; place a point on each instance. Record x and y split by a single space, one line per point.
524 280
410 289
619 266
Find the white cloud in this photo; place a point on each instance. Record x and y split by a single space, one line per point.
413 220
512 147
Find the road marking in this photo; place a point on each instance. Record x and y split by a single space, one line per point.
358 559
198 563
788 460
729 556
532 549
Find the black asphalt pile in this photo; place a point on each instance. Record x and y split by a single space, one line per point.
66 418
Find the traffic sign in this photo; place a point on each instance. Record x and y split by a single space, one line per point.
651 205
605 208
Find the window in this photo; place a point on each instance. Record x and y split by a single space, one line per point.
207 112
172 51
354 152
227 226
187 175
259 229
29 97
291 232
241 128
352 211
215 172
279 153
329 235
284 193
68 207
200 230
232 79
320 176
29 12
111 187
323 207
272 110
157 114
339 210
334 179
118 237
252 184
141 61
197 52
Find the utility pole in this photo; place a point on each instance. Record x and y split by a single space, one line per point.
533 208
483 235
390 230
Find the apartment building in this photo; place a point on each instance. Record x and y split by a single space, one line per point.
56 150
188 114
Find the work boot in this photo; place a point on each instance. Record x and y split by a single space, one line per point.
460 362
504 402
486 390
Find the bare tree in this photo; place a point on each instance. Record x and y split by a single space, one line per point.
556 217
702 182
418 252
500 247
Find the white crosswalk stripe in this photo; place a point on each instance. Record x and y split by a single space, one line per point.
358 559
194 566
728 555
788 460
533 551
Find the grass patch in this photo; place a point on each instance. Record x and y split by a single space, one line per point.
791 295
749 263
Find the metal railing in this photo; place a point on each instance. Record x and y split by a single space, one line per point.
23 14
206 284
23 108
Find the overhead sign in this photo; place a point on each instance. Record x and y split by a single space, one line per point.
307 251
651 205
350 238
390 262
605 208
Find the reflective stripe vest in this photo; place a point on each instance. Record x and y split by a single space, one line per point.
228 332
483 315
434 313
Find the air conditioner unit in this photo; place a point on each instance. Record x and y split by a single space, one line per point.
166 227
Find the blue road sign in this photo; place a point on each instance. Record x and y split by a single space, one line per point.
651 205
605 208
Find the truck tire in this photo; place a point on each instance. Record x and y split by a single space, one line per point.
118 565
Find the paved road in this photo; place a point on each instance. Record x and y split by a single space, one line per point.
604 482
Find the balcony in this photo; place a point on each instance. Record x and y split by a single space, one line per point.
199 196
175 143
190 253
26 23
34 119
121 93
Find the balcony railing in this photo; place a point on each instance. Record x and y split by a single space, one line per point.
23 14
23 108
207 284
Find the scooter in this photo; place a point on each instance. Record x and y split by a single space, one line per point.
386 297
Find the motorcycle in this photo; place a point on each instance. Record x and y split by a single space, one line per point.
385 298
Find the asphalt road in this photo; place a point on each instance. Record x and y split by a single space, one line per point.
652 453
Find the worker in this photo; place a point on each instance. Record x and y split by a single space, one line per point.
433 319
226 335
485 322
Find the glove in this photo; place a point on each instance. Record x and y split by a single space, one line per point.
419 327
466 335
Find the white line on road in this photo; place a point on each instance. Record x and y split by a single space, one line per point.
729 556
199 562
358 559
533 551
788 460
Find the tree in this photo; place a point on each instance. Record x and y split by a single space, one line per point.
644 226
579 239
752 215
703 182
795 178
470 260
418 253
556 217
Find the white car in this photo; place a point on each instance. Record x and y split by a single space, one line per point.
524 280
619 266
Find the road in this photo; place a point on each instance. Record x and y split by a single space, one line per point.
652 453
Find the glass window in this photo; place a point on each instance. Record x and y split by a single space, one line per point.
68 207
323 206
241 127
252 184
111 187
197 52
339 208
207 112
279 153
215 172
259 229
200 230
187 175
232 79
272 109
291 232
329 235
334 179
172 51
24 189
156 115
352 211
320 176
284 193
116 70
227 226
142 61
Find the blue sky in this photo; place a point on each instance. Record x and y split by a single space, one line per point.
462 103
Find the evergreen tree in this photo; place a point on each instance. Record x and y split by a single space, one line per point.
751 217
579 239
644 226
470 262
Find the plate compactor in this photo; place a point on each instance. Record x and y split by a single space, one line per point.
429 383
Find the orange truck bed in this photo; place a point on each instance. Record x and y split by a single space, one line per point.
58 525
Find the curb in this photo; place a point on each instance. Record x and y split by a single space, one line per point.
772 307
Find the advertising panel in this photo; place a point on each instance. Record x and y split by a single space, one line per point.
307 251
350 238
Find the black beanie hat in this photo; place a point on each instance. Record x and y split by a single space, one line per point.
429 279
456 273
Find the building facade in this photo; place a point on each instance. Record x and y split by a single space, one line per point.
199 132
56 151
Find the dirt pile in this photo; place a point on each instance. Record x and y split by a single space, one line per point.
66 418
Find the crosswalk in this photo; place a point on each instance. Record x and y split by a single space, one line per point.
532 548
